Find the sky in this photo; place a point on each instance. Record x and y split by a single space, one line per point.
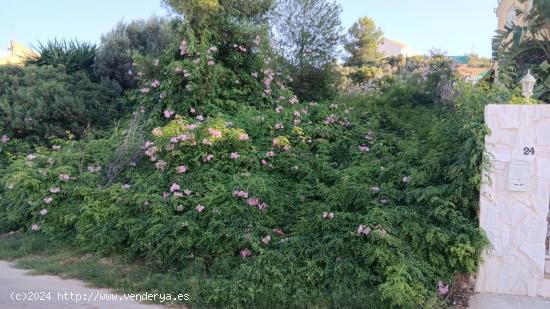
457 27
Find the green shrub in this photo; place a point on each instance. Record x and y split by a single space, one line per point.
38 102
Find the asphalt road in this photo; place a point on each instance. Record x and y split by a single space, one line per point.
20 290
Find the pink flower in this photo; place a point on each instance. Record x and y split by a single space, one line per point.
178 70
55 190
363 148
363 230
240 193
179 208
253 201
279 109
51 161
262 206
187 192
181 169
210 62
174 187
178 194
245 253
147 145
43 211
199 208
162 95
168 114
243 137
278 231
279 126
266 240
94 169
4 139
213 49
375 190
35 227
215 133
270 154
254 74
442 289
155 84
64 177
235 155
192 110
328 215
31 157
264 162
126 186
293 100
161 165
206 142
296 114
208 157
144 90
48 200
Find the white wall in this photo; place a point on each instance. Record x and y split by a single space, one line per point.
515 221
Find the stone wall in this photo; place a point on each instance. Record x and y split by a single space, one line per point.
514 200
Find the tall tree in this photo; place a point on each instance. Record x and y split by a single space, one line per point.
364 37
307 33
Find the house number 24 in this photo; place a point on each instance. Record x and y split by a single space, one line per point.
528 151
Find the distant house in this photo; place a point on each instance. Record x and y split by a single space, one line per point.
15 54
472 75
393 48
507 12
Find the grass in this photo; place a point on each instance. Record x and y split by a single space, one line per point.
44 256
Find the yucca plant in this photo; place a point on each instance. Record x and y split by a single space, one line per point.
72 54
518 48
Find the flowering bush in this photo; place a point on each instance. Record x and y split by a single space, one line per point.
257 198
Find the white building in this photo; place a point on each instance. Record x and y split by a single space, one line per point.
393 48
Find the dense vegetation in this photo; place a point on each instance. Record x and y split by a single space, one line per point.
253 196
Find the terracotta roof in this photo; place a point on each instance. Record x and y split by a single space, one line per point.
466 71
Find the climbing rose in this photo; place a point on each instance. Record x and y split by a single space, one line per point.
235 155
211 62
55 190
155 84
181 169
264 162
144 90
168 114
363 230
35 227
363 148
245 253
215 133
243 137
48 200
266 239
240 193
442 289
208 158
192 110
161 165
64 177
199 208
279 109
4 139
174 187
43 212
253 201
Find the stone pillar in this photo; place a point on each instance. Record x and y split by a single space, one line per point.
514 200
